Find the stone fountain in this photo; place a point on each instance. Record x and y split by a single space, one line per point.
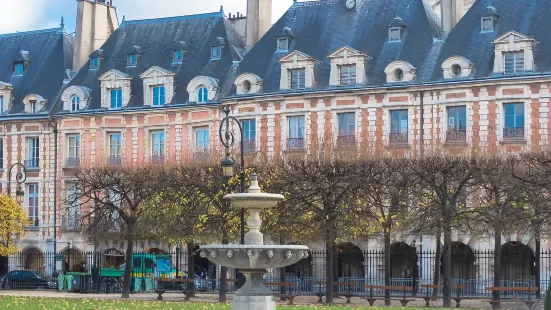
254 257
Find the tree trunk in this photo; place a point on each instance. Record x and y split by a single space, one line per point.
222 278
329 249
447 262
128 269
538 266
438 254
497 263
387 265
191 267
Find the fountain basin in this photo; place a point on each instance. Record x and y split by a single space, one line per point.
254 200
257 256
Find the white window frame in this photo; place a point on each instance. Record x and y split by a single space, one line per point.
205 147
515 55
33 204
391 34
160 146
351 79
300 82
33 152
118 146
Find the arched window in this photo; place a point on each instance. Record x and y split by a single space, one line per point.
75 103
202 95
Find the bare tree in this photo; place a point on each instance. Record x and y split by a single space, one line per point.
113 200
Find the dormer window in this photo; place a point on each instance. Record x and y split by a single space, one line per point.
202 89
34 103
347 74
513 62
18 68
158 95
297 71
75 103
178 56
116 98
202 95
398 75
94 63
297 78
33 106
215 52
282 44
487 24
1 104
400 71
395 34
132 60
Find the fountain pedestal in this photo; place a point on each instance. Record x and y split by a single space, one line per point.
254 257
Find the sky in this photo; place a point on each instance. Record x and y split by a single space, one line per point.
25 15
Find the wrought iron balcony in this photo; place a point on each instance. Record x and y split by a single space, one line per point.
72 162
70 223
398 139
296 144
346 142
33 223
456 136
33 163
158 159
249 146
114 160
513 133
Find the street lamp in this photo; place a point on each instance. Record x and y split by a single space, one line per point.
228 165
20 177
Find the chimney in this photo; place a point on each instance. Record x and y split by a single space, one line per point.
451 13
96 21
259 20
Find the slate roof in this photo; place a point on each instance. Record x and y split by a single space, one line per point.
50 54
322 27
528 17
157 39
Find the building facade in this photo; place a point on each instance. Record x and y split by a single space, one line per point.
385 77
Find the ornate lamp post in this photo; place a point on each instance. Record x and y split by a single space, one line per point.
228 164
20 177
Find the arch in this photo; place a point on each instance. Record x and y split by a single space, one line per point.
403 261
33 260
350 261
112 258
517 264
80 91
255 83
199 82
465 67
409 72
72 259
34 97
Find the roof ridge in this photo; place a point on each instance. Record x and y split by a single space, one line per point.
173 18
313 2
22 33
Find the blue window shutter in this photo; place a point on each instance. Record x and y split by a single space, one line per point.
119 98
155 96
162 95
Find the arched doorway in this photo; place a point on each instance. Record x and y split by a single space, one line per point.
463 260
403 263
33 260
112 258
350 261
72 259
517 264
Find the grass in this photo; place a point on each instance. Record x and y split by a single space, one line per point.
39 303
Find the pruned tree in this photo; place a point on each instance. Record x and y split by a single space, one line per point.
13 220
445 178
114 202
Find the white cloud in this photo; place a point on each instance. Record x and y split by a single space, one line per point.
17 17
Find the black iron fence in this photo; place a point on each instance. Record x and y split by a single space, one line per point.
472 272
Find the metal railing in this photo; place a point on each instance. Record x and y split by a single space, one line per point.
456 136
114 160
296 143
346 141
398 139
33 163
70 223
249 146
513 133
158 159
72 162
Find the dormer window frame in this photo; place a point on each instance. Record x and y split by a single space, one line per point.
157 77
178 56
114 79
196 89
513 42
95 63
400 72
34 103
297 60
215 52
33 106
132 60
346 57
19 64
6 93
483 22
286 40
75 91
392 31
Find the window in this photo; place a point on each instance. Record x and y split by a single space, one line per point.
1 154
456 70
75 103
158 145
178 56
202 139
33 153
216 52
398 75
347 130
297 77
514 121
514 62
70 220
282 44
18 68
487 24
394 34
114 145
132 60
33 107
202 95
296 132
94 63
399 127
249 135
457 124
32 211
1 104
347 75
158 95
73 151
116 98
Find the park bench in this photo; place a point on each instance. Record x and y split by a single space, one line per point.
347 293
180 281
529 302
428 296
290 295
404 289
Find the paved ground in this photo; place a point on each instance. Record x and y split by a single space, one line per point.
209 298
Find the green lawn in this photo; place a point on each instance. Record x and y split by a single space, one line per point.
27 303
